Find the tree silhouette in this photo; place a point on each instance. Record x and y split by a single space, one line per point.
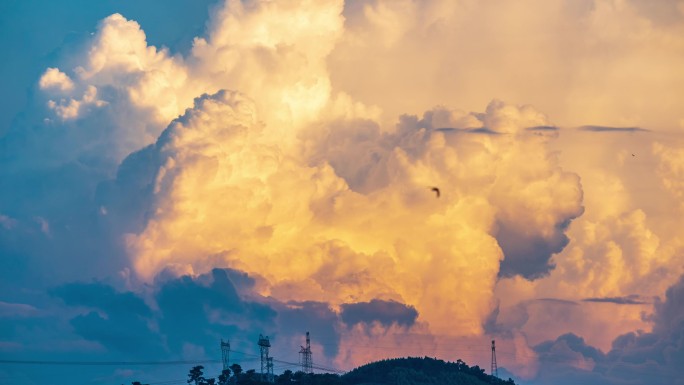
196 375
237 370
298 375
396 371
224 377
286 377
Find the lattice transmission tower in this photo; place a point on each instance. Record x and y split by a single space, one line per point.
305 356
269 370
266 361
225 353
495 369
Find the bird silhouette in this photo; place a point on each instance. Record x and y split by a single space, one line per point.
436 190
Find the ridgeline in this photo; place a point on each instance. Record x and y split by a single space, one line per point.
419 371
396 371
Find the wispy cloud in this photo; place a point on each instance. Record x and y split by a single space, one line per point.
557 301
632 299
480 130
543 128
612 129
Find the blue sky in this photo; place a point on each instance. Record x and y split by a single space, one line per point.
36 31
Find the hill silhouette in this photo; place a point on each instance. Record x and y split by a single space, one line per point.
396 371
420 371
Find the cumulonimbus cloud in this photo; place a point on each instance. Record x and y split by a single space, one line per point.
261 152
287 175
225 192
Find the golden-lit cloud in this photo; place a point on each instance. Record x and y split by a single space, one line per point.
583 62
228 193
300 142
273 51
671 168
625 243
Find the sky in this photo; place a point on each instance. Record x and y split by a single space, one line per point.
180 172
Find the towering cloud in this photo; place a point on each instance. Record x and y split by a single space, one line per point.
275 52
225 192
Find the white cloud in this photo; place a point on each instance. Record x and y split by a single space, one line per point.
76 108
54 78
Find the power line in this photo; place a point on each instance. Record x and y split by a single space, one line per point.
247 357
106 363
319 367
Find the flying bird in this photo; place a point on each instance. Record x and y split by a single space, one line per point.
436 190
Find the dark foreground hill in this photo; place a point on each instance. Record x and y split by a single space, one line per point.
420 371
397 371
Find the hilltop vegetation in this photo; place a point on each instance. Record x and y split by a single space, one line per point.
397 371
420 371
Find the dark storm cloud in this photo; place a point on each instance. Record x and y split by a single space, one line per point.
126 333
212 308
612 129
626 300
100 296
669 314
635 358
529 255
175 318
118 320
567 347
314 317
568 360
197 311
384 312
